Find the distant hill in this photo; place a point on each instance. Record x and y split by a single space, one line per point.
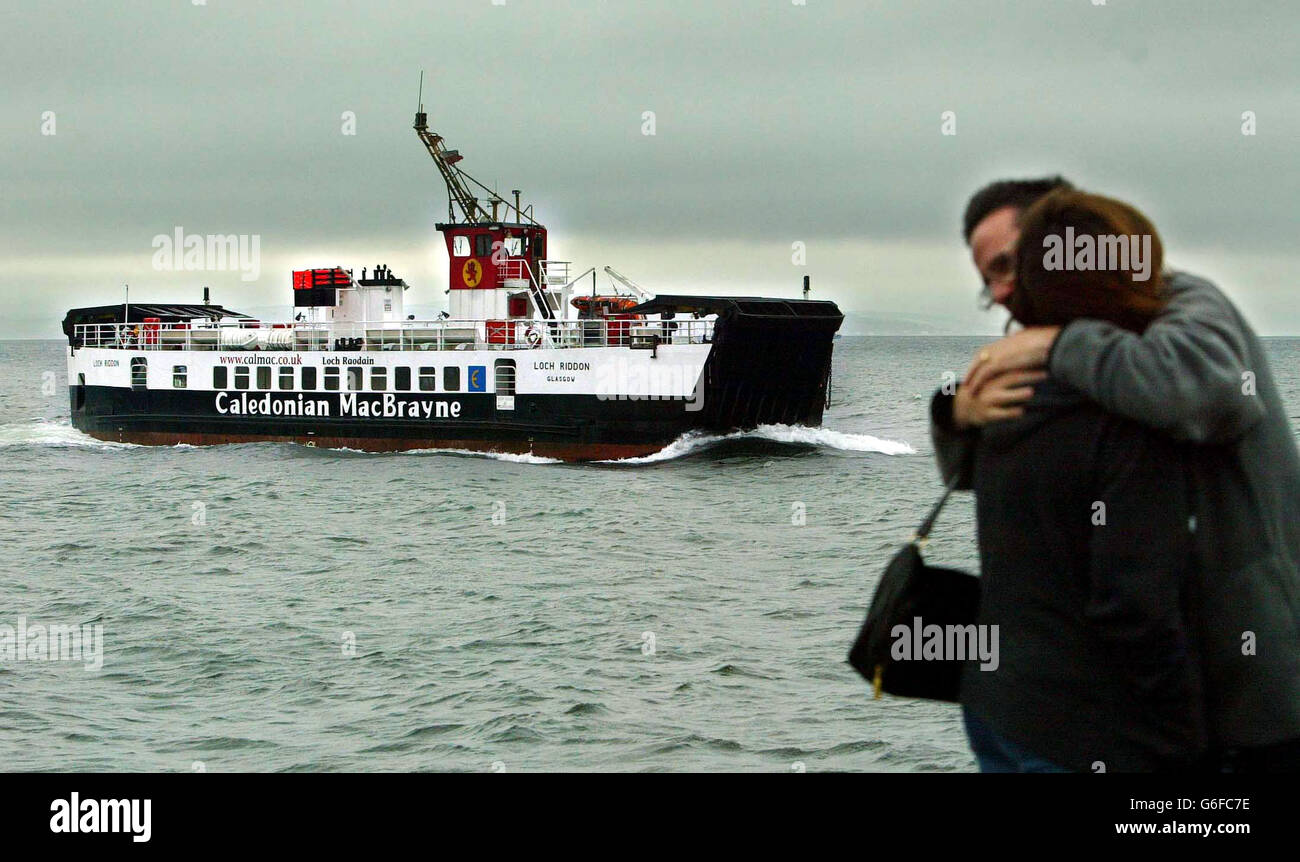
891 323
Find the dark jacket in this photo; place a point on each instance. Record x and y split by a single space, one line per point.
1199 374
1084 558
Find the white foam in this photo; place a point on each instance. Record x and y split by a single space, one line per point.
513 458
689 442
524 458
827 438
54 435
830 439
45 433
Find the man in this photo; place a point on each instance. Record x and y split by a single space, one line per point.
1199 375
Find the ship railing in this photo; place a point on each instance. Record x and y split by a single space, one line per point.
555 273
514 269
442 334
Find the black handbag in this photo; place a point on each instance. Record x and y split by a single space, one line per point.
910 589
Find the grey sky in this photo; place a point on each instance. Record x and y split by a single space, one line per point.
775 122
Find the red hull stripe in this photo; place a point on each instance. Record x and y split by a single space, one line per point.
561 451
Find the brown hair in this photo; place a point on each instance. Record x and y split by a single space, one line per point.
1047 294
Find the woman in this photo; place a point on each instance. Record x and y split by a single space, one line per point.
1084 532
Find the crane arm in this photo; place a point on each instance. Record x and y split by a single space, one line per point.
628 283
457 191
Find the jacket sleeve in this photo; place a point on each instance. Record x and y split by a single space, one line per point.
953 449
1138 572
1184 376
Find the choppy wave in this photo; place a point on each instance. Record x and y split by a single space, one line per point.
487 642
826 438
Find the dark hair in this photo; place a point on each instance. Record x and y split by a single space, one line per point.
1020 194
1048 294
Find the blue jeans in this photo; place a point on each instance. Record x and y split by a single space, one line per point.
996 753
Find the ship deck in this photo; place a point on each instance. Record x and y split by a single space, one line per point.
444 334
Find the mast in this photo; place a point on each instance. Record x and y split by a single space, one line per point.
459 192
481 265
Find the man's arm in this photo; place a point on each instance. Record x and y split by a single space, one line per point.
1184 376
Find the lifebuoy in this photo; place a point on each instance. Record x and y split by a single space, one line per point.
533 337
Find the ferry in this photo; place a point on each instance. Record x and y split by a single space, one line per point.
527 359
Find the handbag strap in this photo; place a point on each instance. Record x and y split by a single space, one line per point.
923 531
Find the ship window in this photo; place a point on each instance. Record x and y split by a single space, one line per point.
263 377
139 372
428 379
241 376
354 379
402 379
460 246
539 247
286 378
332 379
514 246
483 245
451 379
309 378
379 379
179 376
505 374
219 377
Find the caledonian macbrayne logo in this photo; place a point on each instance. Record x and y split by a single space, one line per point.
478 378
472 272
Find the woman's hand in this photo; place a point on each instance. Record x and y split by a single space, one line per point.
1025 350
1001 397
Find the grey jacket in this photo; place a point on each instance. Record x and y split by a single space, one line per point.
1199 375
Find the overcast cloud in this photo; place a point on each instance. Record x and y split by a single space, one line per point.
775 123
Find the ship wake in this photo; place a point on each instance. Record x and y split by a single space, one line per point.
772 439
45 433
766 439
509 457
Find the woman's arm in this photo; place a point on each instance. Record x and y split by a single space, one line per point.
953 449
1138 572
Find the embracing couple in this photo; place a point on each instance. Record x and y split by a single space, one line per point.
1137 490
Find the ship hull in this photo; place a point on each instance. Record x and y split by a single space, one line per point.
568 428
558 451
767 362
